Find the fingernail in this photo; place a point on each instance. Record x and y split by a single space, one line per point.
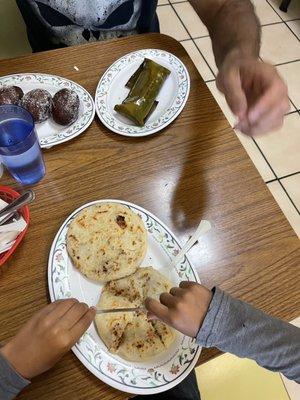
93 308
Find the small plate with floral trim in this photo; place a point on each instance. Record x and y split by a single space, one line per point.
171 99
49 132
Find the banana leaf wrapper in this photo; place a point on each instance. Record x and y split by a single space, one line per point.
145 85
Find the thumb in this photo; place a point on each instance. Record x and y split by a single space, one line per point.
231 86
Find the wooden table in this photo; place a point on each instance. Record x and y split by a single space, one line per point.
196 168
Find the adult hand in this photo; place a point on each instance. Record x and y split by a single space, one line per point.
47 336
184 307
255 92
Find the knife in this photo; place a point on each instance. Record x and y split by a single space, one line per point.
118 310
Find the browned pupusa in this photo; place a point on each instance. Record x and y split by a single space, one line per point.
130 335
107 241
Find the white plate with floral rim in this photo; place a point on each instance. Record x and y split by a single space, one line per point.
49 132
171 99
64 281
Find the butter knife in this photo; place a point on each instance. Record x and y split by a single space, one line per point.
118 310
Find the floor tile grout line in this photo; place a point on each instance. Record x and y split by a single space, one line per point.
262 25
271 181
274 9
267 24
264 157
278 65
272 23
206 62
292 31
178 16
294 105
205 36
194 38
289 175
287 62
291 112
286 192
277 179
282 177
201 37
292 19
286 389
181 20
285 22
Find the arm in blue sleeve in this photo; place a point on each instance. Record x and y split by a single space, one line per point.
238 328
11 383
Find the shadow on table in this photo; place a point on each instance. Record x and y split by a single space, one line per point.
183 191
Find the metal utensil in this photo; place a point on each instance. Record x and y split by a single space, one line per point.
7 212
203 227
117 310
11 218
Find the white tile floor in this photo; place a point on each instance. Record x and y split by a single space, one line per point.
276 155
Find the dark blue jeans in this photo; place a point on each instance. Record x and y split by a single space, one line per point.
186 390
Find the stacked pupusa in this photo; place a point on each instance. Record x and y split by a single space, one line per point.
107 242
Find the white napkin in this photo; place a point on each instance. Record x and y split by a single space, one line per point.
9 232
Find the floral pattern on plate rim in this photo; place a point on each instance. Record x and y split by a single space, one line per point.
88 104
152 378
170 114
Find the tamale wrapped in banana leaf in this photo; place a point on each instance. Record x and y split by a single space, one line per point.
134 77
144 85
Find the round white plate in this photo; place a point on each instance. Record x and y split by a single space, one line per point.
49 132
111 90
64 280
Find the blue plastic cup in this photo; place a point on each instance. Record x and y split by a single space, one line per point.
20 150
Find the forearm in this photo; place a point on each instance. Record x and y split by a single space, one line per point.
238 328
233 27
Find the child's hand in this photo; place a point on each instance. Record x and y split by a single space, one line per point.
184 308
47 336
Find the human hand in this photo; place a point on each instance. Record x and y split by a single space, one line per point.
255 92
47 336
184 307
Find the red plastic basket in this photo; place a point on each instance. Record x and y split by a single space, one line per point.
7 194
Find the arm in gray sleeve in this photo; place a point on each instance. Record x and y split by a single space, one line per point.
11 383
238 328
